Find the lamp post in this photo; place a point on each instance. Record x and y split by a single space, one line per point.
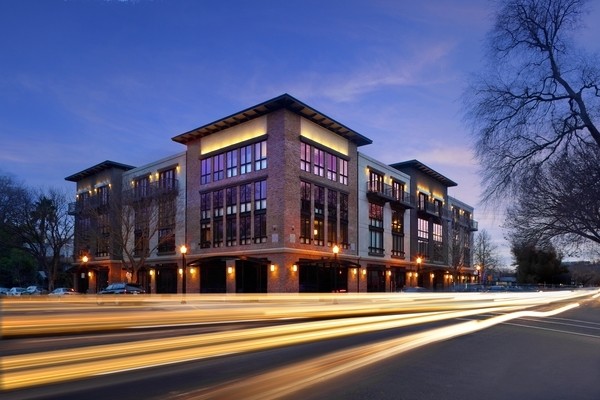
84 261
335 250
183 250
419 261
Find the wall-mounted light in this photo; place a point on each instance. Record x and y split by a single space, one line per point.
294 268
272 267
354 271
364 271
432 275
230 270
151 272
180 271
389 273
193 270
410 274
90 274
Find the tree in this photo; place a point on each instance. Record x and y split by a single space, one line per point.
539 97
562 205
485 254
537 264
46 230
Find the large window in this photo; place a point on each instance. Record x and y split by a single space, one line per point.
205 170
245 229
343 175
398 190
375 182
260 155
232 163
218 167
376 229
245 198
260 195
305 196
319 162
305 150
167 180
332 164
438 245
397 233
246 159
422 237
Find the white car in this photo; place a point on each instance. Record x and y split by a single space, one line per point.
16 291
61 291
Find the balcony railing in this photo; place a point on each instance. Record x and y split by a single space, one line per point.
160 188
385 192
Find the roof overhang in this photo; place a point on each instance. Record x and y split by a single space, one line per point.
418 165
97 169
285 101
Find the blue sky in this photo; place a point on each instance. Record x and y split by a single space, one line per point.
86 81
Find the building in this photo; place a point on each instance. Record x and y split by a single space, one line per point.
274 198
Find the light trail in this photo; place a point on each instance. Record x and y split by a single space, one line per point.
285 381
35 369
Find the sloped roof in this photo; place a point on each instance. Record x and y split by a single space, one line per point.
418 165
284 101
96 169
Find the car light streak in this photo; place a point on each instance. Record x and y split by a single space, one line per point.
41 368
285 381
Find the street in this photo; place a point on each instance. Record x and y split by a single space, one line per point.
460 346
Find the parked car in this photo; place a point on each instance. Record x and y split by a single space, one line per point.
414 289
3 291
123 288
35 290
61 291
16 291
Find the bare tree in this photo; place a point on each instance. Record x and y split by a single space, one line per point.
137 224
562 205
45 229
485 254
539 96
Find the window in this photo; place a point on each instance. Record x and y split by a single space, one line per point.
343 175
438 245
397 234
245 229
231 200
141 231
332 167
231 231
331 232
375 182
305 196
319 200
205 206
319 162
305 150
260 155
166 240
218 232
205 239
332 203
305 229
376 229
102 193
318 226
245 198
218 203
398 190
260 228
141 187
344 214
218 167
423 201
205 170
232 163
167 180
246 159
260 195
422 237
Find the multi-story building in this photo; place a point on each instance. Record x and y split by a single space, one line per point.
275 198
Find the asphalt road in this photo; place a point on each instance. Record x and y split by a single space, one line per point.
526 358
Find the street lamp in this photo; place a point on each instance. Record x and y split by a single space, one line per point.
419 261
335 250
183 249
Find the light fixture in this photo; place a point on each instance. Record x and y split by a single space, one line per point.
90 274
294 268
193 270
389 273
180 271
151 272
354 271
230 270
364 271
272 267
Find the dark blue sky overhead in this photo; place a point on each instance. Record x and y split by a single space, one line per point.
86 81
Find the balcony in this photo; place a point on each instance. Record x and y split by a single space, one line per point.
82 205
380 191
160 188
435 209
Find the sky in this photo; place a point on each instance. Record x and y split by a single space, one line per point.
82 82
